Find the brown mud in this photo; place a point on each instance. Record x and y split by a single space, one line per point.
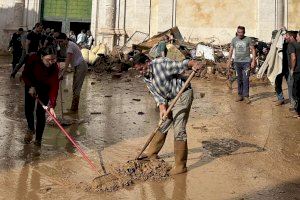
236 151
131 172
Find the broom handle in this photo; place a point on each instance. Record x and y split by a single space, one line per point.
61 101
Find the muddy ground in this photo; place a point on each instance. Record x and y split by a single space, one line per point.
236 151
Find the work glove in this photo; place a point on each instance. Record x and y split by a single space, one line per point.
32 91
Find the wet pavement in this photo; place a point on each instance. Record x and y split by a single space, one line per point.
236 151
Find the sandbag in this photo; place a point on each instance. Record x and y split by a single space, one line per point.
102 49
92 57
85 54
95 49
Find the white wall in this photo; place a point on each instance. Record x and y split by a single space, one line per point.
6 22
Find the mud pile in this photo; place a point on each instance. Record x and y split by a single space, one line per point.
105 63
129 173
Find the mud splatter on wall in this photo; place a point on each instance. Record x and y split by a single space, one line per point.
200 19
294 15
216 13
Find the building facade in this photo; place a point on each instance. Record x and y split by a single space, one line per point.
114 21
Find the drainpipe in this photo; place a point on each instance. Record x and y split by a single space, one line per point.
286 13
25 19
280 13
174 5
18 13
117 23
66 13
150 15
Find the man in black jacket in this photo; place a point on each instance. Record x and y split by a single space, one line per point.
16 45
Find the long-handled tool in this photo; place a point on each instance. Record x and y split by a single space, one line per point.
61 101
187 82
84 155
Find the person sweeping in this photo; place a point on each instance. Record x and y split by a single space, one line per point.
75 58
164 80
40 76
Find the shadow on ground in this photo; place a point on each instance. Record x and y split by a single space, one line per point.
216 148
285 191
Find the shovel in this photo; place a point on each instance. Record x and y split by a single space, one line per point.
187 82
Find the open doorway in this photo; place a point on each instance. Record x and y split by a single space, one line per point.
52 25
78 26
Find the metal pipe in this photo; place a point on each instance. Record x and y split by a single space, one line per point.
286 13
150 15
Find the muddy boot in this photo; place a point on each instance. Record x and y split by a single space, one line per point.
247 100
279 103
155 146
38 143
181 152
75 103
239 98
28 136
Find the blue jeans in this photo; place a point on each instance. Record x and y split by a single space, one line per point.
278 86
243 74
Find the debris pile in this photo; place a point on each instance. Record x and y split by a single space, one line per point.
106 63
214 55
129 173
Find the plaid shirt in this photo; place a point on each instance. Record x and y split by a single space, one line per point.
164 79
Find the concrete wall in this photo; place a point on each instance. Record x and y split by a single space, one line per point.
137 17
16 14
198 20
114 20
293 14
7 18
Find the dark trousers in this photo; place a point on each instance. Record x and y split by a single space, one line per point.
243 73
40 113
296 91
16 58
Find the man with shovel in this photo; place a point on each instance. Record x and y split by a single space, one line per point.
164 81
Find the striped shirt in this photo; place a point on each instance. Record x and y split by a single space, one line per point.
164 79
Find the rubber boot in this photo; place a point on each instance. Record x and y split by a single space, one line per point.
75 103
181 152
155 146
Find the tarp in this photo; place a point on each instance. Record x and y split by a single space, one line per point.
273 62
205 51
